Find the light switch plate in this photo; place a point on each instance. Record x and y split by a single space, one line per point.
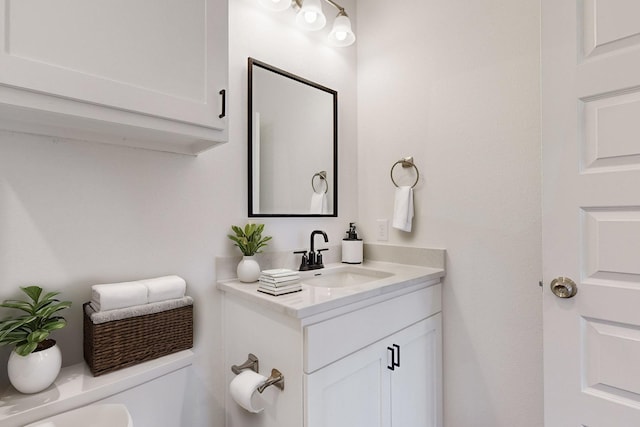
382 231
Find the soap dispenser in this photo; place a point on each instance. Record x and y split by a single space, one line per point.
352 246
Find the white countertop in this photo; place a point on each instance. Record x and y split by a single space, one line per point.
313 300
76 387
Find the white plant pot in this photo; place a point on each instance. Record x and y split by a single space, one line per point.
36 371
248 269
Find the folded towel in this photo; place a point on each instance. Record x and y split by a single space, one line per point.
318 203
98 317
164 288
403 208
118 295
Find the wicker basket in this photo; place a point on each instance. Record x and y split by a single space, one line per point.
118 344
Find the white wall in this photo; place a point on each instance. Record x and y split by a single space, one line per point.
74 214
455 84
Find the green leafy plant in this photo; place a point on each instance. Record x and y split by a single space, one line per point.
29 331
249 239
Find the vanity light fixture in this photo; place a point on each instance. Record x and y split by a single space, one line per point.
311 18
341 33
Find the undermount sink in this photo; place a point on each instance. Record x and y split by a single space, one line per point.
343 277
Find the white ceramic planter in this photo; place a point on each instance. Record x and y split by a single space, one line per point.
36 371
248 269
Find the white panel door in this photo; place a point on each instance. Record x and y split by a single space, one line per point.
591 211
396 382
416 384
352 392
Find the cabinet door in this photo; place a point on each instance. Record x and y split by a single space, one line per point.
159 58
352 392
416 384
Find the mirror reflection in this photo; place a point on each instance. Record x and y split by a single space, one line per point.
292 144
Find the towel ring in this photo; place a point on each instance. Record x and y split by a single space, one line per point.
407 162
323 177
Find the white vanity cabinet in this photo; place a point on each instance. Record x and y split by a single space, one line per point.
147 74
393 382
376 362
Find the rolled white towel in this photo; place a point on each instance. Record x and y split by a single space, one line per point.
118 295
165 288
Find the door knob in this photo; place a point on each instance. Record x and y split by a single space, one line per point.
563 287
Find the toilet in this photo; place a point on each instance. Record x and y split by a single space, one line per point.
104 415
149 394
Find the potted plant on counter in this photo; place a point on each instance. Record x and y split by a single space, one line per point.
36 360
250 241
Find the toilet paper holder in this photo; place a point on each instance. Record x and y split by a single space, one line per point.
276 378
252 363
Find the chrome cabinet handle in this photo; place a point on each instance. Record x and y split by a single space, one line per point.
563 287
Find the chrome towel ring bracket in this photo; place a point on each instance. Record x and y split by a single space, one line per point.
406 162
323 178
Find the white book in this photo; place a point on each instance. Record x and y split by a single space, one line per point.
279 272
279 292
279 279
279 288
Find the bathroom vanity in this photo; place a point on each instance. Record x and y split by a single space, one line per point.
358 346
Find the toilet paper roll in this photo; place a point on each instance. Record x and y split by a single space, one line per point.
243 389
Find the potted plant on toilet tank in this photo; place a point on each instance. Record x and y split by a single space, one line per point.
35 361
250 242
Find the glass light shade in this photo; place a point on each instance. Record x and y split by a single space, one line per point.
341 34
310 16
276 5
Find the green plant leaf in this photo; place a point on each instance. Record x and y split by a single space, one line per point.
26 348
38 336
32 292
54 324
47 311
9 326
19 305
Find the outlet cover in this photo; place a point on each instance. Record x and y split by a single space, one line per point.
382 233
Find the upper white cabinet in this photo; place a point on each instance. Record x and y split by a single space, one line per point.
142 73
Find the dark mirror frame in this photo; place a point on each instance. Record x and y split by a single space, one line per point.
255 63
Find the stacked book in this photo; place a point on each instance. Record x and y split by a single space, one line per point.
279 281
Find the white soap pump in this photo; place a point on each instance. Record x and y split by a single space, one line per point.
352 246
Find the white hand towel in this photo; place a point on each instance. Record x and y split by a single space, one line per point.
118 295
165 288
403 208
318 203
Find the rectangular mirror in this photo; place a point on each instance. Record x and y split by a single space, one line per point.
293 144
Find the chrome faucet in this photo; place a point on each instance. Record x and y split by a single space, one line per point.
313 261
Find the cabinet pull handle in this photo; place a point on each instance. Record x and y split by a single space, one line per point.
395 357
392 366
397 361
224 103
